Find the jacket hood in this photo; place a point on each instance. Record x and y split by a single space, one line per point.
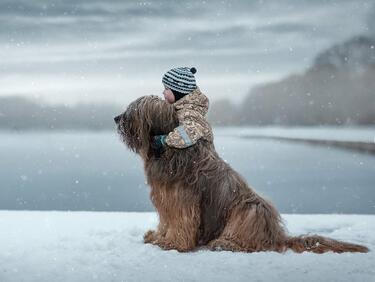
195 101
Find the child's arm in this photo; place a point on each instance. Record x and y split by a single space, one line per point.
193 125
185 135
181 137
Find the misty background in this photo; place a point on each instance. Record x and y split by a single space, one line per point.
68 67
73 64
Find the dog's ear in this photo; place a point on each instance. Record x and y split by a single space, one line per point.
144 118
160 116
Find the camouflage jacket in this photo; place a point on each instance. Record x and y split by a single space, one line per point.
191 111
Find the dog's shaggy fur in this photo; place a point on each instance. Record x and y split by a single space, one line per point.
200 199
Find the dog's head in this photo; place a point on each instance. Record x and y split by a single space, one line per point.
145 117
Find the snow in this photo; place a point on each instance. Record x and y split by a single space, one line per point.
101 246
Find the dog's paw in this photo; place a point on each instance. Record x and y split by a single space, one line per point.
149 237
223 245
167 245
215 245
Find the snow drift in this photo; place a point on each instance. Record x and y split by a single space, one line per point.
94 246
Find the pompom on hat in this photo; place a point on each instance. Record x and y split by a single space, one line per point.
180 80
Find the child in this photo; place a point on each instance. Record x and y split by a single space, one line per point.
191 106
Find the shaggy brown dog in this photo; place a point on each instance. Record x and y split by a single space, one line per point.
200 199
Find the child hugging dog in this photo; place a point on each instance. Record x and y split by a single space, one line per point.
191 105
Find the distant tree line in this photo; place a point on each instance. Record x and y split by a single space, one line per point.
19 113
319 97
339 89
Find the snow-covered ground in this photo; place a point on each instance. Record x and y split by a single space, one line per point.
353 134
94 246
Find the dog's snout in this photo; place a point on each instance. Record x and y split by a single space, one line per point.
117 119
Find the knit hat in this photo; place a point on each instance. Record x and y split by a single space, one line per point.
181 81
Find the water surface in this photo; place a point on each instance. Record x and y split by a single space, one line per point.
95 171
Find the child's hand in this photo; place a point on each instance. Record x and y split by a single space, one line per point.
158 143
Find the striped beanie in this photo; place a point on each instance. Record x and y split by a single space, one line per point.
180 80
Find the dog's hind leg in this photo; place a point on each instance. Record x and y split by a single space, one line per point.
251 228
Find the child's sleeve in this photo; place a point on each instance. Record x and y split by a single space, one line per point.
185 135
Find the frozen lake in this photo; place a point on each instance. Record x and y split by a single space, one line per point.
94 171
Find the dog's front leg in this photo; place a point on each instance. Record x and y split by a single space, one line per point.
177 241
182 233
179 215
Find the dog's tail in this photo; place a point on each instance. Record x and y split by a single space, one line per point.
319 244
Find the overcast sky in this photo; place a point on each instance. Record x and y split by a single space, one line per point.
114 51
